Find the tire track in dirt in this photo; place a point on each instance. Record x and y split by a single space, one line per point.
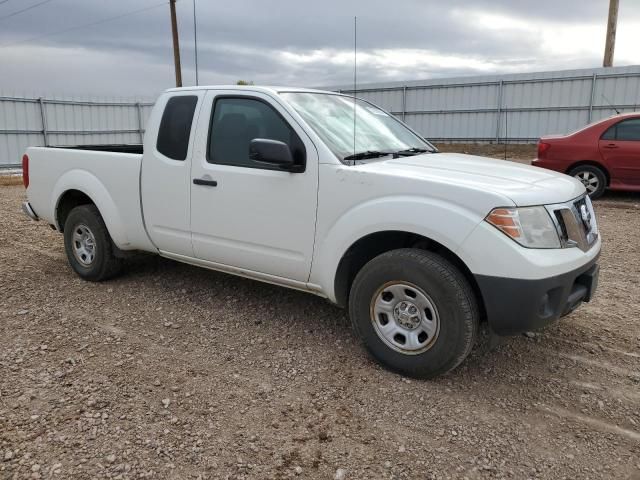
592 422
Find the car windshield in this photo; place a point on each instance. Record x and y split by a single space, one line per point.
377 134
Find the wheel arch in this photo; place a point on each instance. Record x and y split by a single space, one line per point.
370 246
68 201
79 187
591 163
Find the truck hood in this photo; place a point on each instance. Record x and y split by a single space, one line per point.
523 184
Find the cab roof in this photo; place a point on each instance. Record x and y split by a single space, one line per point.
250 88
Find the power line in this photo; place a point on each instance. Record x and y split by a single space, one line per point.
78 27
3 1
18 12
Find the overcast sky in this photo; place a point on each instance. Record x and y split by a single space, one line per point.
298 42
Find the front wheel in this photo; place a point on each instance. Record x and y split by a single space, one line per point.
593 179
415 312
88 245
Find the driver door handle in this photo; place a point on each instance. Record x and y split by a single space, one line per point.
611 145
205 182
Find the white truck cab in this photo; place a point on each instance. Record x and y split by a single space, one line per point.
329 194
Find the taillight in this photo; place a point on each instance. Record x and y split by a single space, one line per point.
25 170
542 149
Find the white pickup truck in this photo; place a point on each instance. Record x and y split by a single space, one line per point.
274 184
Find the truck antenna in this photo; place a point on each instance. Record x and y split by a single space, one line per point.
355 77
195 39
611 104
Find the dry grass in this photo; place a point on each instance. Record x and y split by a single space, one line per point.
522 153
6 180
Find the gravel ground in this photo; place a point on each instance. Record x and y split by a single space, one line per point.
171 371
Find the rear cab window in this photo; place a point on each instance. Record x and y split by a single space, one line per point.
175 126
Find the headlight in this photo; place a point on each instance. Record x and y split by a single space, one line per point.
531 227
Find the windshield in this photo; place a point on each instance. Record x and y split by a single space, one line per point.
377 133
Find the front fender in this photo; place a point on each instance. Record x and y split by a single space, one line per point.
443 222
91 186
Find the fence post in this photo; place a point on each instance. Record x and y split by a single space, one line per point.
593 93
140 129
43 117
499 111
404 102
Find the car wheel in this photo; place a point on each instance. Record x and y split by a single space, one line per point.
593 179
88 245
415 312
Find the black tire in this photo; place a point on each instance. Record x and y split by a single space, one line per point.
448 290
104 264
588 174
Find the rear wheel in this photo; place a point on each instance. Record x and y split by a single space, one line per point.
592 177
414 311
89 247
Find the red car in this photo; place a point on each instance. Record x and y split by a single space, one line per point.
604 154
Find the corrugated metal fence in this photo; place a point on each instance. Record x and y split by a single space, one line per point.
517 108
514 108
28 122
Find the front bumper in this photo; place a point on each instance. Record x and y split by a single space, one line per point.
515 305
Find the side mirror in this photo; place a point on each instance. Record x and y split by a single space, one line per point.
272 152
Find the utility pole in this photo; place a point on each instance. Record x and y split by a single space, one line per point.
611 33
176 44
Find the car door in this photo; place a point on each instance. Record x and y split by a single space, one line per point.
165 181
620 149
245 214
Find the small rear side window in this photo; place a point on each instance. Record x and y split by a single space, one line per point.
610 134
175 126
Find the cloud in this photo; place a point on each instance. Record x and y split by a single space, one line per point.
301 43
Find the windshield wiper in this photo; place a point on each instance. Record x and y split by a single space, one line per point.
377 153
411 151
367 154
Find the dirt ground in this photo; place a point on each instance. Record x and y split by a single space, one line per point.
171 371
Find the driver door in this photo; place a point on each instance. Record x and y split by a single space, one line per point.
246 215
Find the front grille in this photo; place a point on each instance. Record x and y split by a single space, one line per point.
575 222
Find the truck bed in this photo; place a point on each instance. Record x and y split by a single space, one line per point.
108 174
114 148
